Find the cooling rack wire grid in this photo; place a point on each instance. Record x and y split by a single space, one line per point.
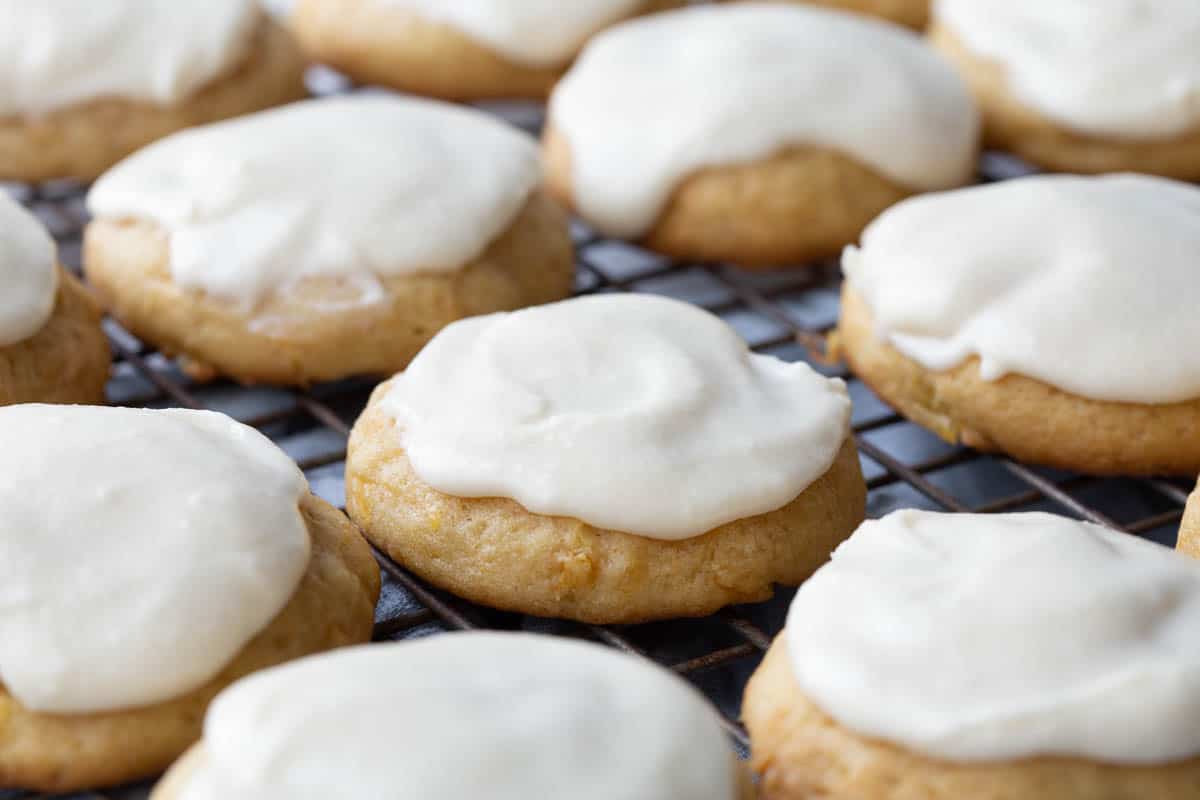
786 313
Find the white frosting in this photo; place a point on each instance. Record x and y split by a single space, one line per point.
1123 68
981 638
140 551
653 100
28 273
539 33
1087 284
56 53
632 413
470 715
356 188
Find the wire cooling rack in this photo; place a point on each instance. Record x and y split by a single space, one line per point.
787 313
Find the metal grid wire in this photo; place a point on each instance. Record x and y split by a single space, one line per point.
786 313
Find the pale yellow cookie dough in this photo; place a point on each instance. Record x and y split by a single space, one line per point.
1189 528
800 753
910 13
376 43
1025 418
803 204
301 336
1010 124
333 606
492 551
83 141
67 361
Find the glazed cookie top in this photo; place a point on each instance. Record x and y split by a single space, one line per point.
141 550
1087 284
995 637
1122 68
60 53
514 715
540 33
358 188
28 273
734 83
650 401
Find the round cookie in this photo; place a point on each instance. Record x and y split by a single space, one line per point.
326 289
81 86
457 50
52 349
516 511
549 717
1075 87
803 747
62 750
971 312
749 149
1189 527
910 13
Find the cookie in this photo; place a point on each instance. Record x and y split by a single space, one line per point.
218 245
548 717
749 148
947 656
910 13
52 349
457 50
82 86
609 459
179 583
1189 528
979 313
1078 88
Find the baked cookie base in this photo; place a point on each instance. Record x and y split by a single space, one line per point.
376 43
1025 418
316 331
909 13
1011 125
1189 528
800 753
801 205
67 361
83 141
494 552
333 606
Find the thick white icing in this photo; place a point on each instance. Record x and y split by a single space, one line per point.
141 550
356 187
485 715
540 33
56 53
1122 68
653 100
632 413
1087 284
993 637
28 273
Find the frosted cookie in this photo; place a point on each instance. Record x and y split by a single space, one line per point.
1080 86
756 133
458 49
1038 317
607 459
83 84
324 239
147 560
1189 528
496 715
910 13
1009 657
52 348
